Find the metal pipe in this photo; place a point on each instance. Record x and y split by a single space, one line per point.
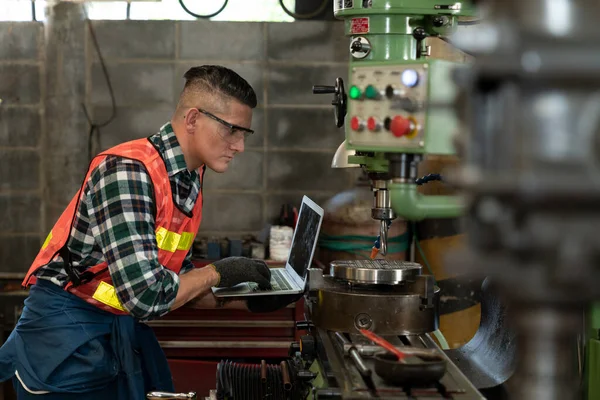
349 348
410 205
287 385
170 396
263 371
364 371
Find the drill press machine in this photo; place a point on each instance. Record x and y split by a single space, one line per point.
389 123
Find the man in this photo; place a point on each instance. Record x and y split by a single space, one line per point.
121 253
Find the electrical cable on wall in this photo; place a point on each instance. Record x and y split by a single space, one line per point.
310 15
95 127
187 10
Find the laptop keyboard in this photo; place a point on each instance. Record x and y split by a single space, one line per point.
278 282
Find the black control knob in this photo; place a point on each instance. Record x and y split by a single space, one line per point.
340 99
419 33
308 348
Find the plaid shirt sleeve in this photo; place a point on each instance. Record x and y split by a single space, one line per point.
121 210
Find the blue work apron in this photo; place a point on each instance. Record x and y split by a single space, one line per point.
62 344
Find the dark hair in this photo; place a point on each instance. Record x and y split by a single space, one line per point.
223 80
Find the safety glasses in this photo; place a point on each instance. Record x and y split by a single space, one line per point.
236 132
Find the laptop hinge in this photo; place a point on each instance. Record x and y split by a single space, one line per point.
294 278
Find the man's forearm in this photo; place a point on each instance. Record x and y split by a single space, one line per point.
195 283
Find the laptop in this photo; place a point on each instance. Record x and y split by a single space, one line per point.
292 278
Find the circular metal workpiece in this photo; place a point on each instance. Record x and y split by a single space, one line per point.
375 272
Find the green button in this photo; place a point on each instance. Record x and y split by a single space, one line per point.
371 92
355 93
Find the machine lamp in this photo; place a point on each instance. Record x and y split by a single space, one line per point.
410 78
354 93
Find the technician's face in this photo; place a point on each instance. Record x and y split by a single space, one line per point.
219 136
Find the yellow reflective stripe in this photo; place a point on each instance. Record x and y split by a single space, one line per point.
187 239
47 241
171 241
106 294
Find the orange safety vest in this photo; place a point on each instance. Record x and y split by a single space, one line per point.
175 231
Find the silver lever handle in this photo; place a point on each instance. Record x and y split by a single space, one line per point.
167 395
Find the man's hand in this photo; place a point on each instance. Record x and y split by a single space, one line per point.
235 270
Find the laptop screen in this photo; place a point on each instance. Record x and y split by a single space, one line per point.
305 236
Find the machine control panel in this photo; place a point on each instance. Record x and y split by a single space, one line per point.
386 105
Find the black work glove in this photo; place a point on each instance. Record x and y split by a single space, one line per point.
264 304
235 270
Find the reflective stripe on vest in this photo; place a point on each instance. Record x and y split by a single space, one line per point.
48 239
106 294
172 241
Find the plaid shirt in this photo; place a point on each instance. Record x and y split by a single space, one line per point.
115 223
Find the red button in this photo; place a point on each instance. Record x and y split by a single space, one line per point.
355 124
373 124
400 126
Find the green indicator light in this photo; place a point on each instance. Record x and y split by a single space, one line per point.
354 93
371 92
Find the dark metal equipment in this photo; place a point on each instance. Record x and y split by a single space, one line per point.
394 300
354 369
531 168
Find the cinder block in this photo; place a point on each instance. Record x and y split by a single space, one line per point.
20 40
245 172
18 252
20 84
304 171
251 72
307 41
52 213
64 175
275 201
292 84
131 123
231 212
20 213
304 127
19 170
135 39
20 127
134 84
67 131
215 40
259 126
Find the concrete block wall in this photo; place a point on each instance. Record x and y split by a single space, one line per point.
291 151
289 155
21 132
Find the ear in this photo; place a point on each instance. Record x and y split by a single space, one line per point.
191 119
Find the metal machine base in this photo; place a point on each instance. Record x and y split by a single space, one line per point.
345 380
